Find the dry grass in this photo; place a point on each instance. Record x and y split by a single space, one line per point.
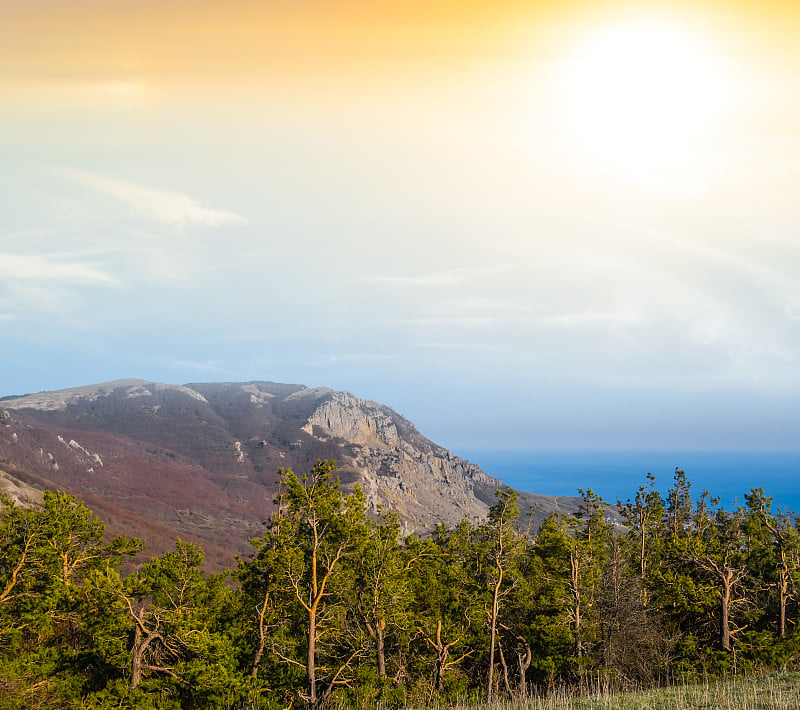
774 692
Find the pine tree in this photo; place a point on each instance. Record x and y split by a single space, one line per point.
47 649
303 554
503 548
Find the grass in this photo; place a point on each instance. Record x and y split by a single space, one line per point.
774 692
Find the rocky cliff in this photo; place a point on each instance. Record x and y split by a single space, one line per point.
201 460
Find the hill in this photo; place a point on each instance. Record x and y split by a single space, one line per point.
201 460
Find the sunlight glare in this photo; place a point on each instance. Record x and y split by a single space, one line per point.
643 99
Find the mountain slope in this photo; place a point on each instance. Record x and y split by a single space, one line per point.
201 460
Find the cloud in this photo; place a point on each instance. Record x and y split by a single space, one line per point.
163 206
33 286
32 267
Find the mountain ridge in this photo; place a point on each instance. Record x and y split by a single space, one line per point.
202 459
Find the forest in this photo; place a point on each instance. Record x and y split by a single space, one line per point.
335 608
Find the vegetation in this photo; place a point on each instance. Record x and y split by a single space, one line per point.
774 692
334 609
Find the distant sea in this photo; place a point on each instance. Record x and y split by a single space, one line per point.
616 475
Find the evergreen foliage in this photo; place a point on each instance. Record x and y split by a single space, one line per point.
336 608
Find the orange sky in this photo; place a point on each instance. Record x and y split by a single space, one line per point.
53 40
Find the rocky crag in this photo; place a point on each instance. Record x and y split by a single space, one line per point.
201 461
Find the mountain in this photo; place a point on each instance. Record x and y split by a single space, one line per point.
201 460
22 494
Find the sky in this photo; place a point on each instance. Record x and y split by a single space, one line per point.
523 225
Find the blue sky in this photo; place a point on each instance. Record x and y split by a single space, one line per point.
471 236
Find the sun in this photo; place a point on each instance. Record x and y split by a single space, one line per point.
643 98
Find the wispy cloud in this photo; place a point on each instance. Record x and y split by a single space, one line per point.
164 206
32 267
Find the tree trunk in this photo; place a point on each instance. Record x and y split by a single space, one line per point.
136 659
379 647
257 660
493 634
784 591
643 564
724 615
311 659
524 663
441 658
575 581
142 638
262 638
443 653
506 681
137 654
524 658
726 577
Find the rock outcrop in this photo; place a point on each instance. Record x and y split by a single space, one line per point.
22 494
202 460
397 467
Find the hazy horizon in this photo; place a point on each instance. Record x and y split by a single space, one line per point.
618 475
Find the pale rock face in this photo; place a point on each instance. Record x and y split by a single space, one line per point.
138 391
310 393
21 493
257 396
83 451
344 416
60 399
184 389
407 472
